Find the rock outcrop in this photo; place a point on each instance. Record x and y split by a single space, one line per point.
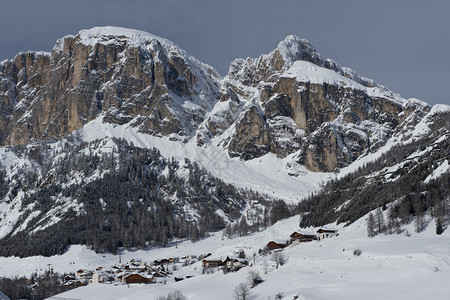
124 75
326 114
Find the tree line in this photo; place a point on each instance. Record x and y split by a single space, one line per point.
402 190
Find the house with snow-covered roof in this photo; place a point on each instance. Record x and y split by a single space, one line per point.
324 233
302 237
276 244
98 277
83 274
212 263
233 264
137 278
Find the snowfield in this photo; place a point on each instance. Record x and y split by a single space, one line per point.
389 267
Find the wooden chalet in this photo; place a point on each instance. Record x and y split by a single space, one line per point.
74 284
69 277
302 237
83 274
121 276
137 278
324 233
228 262
274 245
233 264
212 263
159 273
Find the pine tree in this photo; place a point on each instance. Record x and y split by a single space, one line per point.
439 227
371 225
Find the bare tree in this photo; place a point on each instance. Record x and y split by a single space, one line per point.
254 278
243 227
176 295
279 258
242 292
393 223
419 221
371 225
279 296
379 218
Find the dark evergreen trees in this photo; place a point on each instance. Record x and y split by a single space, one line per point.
398 180
129 197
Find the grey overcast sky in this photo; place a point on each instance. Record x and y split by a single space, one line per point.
402 44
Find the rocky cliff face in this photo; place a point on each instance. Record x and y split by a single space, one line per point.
288 102
324 114
123 75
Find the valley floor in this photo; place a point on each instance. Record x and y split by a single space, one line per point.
389 267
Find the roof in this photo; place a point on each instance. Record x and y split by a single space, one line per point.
121 274
305 233
133 274
211 260
275 245
138 274
278 241
330 230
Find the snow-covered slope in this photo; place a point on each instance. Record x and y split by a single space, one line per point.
265 175
394 266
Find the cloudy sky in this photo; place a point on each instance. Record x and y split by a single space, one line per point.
402 44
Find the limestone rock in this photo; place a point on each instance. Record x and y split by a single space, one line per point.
326 114
125 76
252 137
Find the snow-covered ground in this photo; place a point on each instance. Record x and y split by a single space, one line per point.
267 174
390 267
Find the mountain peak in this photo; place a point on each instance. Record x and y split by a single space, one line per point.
293 48
134 36
113 34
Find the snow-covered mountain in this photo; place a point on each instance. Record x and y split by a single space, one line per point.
298 104
116 122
